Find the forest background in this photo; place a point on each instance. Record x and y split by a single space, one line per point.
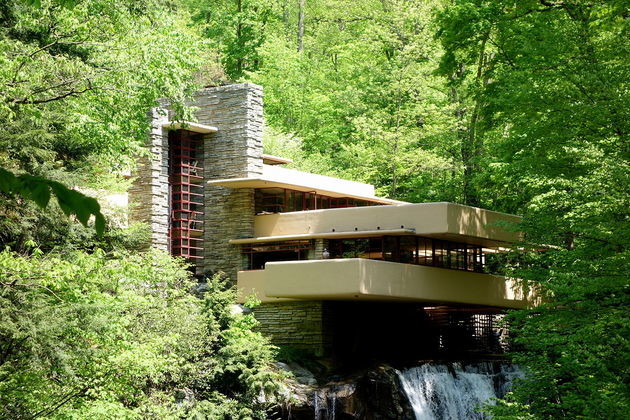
514 106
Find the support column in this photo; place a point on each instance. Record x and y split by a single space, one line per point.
234 151
148 195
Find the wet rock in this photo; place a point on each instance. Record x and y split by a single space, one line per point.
372 394
301 374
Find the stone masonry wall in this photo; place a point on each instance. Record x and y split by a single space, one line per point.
296 324
234 151
149 193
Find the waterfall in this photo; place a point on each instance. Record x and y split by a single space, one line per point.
316 405
443 392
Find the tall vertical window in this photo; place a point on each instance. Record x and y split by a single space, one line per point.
186 192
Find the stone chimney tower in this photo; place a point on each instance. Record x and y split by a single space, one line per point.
233 150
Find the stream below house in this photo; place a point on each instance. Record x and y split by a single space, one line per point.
427 391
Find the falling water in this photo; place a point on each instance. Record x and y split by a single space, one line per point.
316 405
442 392
325 401
332 411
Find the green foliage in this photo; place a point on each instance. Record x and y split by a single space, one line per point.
236 28
555 115
302 357
85 336
120 335
39 190
514 106
363 97
75 86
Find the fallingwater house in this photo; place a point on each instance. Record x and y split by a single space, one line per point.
338 270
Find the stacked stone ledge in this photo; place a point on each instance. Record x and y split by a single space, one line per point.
149 193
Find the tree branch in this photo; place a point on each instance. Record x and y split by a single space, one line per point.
64 400
72 92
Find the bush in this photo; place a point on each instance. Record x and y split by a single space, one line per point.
123 336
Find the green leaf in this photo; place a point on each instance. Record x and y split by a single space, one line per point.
99 224
7 181
40 193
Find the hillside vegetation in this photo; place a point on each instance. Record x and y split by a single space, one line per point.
514 106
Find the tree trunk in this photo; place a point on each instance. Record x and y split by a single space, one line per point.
239 37
286 19
300 32
472 147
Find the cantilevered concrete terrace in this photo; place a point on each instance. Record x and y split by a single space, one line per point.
375 279
274 176
363 279
437 220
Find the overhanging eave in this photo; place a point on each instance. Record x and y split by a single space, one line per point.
190 126
326 235
266 182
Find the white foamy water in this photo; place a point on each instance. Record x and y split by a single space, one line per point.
439 393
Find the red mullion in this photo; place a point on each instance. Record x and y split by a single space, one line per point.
188 230
187 165
186 157
189 185
187 201
189 149
186 173
186 196
182 174
187 247
187 211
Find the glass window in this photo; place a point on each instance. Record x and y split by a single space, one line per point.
362 248
298 201
375 249
407 251
269 200
309 201
439 254
390 248
425 251
474 257
335 247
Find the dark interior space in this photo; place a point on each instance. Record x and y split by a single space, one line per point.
362 332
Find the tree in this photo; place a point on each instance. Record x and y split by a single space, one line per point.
85 333
76 81
557 128
300 26
363 95
236 28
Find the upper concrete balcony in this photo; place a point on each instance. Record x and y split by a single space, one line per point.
446 221
363 279
274 176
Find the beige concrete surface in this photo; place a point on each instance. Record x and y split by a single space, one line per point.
363 279
252 283
190 126
440 220
275 160
325 235
278 177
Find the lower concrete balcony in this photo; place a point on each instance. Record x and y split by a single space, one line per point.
364 279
